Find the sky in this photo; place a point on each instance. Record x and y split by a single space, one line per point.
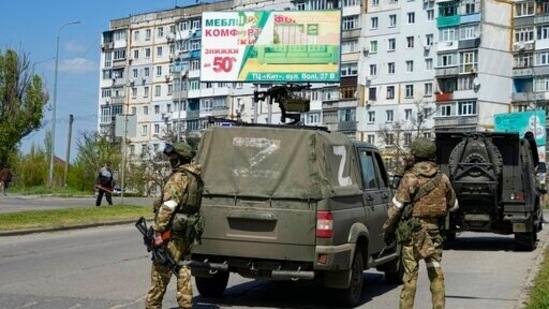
31 27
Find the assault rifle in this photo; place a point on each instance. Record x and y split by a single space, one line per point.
159 254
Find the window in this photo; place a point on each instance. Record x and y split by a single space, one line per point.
136 54
196 23
430 14
411 18
148 35
368 169
409 91
407 139
389 139
543 33
347 114
371 139
445 110
410 41
195 65
145 110
160 32
373 70
524 9
428 87
157 91
541 84
392 20
447 34
427 135
465 82
446 60
350 22
156 128
373 23
371 117
467 108
158 70
468 62
389 116
469 6
147 52
428 64
372 93
468 32
408 114
541 58
136 35
134 73
409 66
373 47
391 68
134 93
146 72
157 109
146 91
524 34
349 69
159 51
429 39
144 129
349 46
390 92
391 45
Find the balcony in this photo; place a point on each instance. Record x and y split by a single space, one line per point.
448 21
529 96
443 96
449 71
456 121
180 95
118 100
522 72
346 126
193 114
222 111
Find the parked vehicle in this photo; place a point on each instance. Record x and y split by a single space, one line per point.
493 175
292 203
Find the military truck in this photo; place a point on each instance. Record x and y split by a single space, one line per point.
493 176
292 203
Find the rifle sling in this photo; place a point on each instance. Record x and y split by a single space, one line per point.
426 188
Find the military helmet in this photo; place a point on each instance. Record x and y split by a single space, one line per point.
183 149
423 148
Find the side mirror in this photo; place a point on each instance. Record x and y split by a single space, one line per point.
542 167
395 181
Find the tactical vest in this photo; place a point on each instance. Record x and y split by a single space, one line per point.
430 199
194 192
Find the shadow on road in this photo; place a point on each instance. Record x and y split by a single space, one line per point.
301 294
481 243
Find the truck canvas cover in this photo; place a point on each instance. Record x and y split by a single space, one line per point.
277 163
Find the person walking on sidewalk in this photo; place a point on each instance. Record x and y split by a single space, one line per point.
5 178
104 184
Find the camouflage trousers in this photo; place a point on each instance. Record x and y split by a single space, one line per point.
429 250
161 275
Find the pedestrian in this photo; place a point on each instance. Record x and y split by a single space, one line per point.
5 178
422 201
104 184
177 212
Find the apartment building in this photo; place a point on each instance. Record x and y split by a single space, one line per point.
407 68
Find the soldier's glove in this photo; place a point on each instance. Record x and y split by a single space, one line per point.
388 238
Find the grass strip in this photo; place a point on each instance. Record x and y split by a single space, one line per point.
56 218
539 293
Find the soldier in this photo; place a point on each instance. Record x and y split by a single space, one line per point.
177 213
422 201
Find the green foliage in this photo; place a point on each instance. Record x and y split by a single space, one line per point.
31 169
539 294
22 98
93 150
57 218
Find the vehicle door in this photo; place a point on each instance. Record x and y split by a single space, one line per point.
376 195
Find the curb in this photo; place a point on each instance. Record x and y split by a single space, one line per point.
63 228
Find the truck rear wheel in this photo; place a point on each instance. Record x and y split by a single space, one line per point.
525 241
212 286
350 296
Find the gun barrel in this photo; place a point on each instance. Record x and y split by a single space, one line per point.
141 225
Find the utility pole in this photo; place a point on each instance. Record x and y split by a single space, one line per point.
68 157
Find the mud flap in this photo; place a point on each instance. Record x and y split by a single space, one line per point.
337 279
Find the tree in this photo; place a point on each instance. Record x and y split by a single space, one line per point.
399 134
22 98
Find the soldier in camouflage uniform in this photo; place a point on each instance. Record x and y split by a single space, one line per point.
422 201
178 205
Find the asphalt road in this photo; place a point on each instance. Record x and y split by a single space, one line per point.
14 202
108 267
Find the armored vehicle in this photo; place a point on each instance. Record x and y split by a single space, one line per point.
493 176
292 203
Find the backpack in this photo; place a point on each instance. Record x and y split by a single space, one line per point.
194 189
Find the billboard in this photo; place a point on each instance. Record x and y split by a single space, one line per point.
530 121
270 46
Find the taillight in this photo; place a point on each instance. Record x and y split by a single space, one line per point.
324 224
518 196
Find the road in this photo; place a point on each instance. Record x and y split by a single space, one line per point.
107 267
14 203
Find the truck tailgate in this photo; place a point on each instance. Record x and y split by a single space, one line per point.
259 230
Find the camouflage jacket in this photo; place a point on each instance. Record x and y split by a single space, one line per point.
442 196
174 194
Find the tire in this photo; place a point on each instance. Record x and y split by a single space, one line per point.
212 286
477 151
450 235
350 296
525 241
